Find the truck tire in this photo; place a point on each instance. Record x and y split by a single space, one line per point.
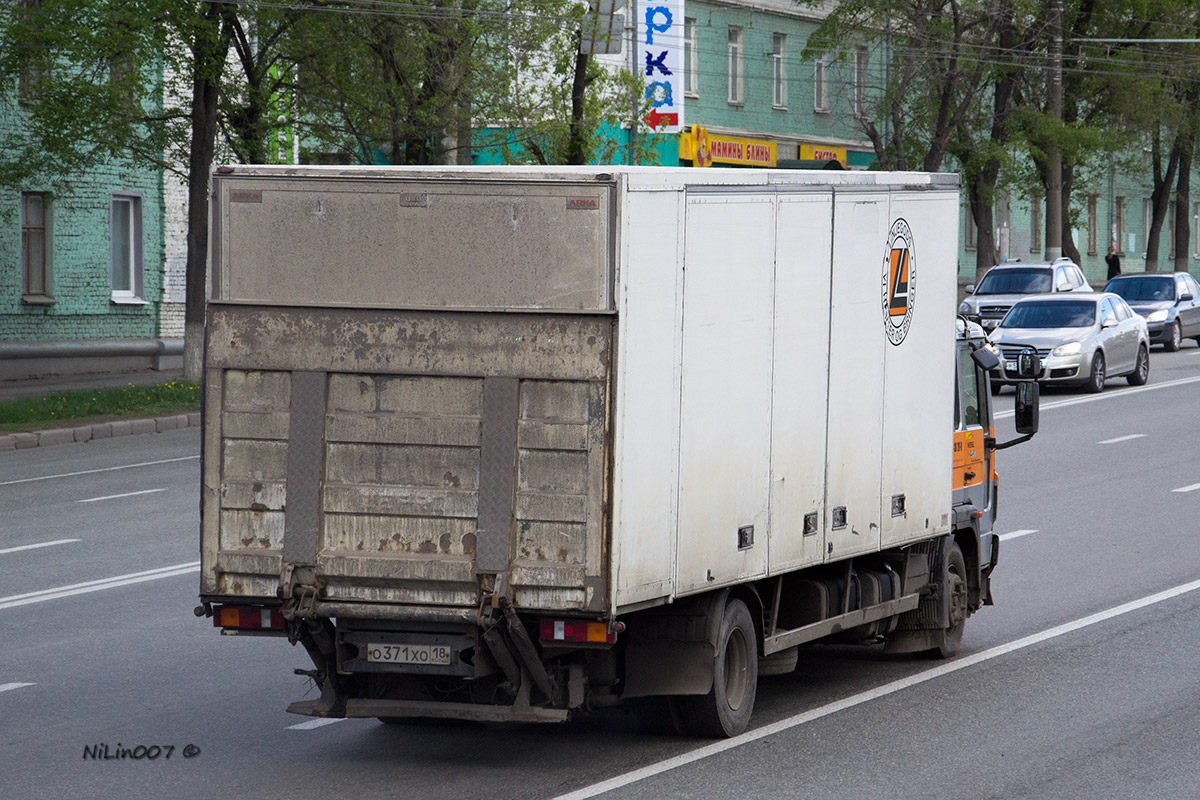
725 711
956 597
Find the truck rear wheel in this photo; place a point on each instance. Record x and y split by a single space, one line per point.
726 709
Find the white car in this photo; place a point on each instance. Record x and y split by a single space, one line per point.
1081 339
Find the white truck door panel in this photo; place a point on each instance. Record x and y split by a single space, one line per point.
856 352
725 403
918 416
802 274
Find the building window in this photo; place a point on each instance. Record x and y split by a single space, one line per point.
778 70
1035 225
821 84
861 60
31 71
35 247
125 247
690 58
1119 226
971 234
735 66
1091 223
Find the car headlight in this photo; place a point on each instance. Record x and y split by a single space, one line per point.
965 308
1068 349
1157 316
992 348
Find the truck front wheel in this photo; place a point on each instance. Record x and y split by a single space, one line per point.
956 599
726 709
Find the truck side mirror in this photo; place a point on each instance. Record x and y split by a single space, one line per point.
1026 408
969 288
985 358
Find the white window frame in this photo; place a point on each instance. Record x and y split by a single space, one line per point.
821 84
736 67
1119 224
862 59
691 57
779 71
1147 220
133 269
1195 230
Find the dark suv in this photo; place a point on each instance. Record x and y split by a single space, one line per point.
1005 284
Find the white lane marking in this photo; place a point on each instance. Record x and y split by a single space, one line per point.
1191 488
1109 395
115 496
961 663
39 544
314 723
4 687
1124 438
1015 534
102 469
15 600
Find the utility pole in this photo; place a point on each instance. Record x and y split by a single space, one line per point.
1054 209
634 43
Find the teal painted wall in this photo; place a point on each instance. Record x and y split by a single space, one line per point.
78 250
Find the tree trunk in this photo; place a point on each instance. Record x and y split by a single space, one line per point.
210 48
576 154
1069 250
1183 205
1160 198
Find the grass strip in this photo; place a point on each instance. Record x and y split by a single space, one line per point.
74 408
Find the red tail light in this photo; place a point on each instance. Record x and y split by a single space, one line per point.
578 631
259 619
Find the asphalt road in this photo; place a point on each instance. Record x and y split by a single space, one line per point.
1082 681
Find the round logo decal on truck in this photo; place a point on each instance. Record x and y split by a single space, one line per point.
899 273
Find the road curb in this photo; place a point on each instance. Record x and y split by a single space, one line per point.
100 430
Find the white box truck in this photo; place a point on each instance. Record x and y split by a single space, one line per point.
516 443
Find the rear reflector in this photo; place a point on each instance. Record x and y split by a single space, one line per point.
270 619
577 630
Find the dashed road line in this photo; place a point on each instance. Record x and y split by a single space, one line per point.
1191 488
315 723
6 687
1015 534
36 546
1124 438
117 496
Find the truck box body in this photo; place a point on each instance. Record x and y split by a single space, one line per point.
615 386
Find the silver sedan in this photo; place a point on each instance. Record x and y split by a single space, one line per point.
1080 339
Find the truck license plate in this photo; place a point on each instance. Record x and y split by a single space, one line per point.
433 654
1010 366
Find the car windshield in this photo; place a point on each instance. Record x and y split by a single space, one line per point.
1135 289
1050 315
1015 281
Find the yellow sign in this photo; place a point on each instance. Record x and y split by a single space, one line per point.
702 149
820 152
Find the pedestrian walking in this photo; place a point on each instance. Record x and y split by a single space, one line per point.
1113 261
